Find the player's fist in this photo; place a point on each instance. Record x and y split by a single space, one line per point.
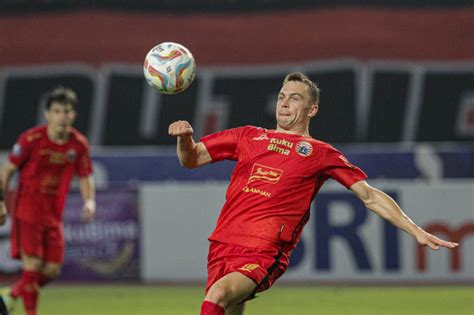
180 128
88 211
3 213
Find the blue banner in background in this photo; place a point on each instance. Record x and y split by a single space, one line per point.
421 162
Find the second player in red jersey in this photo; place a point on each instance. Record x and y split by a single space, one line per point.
47 157
277 175
46 172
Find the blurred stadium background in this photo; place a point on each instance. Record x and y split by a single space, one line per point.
397 80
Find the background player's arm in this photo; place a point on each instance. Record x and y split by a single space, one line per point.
87 188
190 154
6 173
3 210
387 208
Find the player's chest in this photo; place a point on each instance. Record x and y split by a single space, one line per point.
300 157
48 156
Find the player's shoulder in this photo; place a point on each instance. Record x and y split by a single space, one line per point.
318 143
34 134
250 130
79 137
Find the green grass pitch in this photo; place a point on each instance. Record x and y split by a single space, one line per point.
281 299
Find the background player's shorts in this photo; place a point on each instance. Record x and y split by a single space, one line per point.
263 266
45 242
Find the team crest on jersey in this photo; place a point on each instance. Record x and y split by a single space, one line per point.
304 148
71 155
265 174
16 150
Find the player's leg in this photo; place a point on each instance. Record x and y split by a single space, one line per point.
237 309
53 255
27 287
226 292
27 244
49 272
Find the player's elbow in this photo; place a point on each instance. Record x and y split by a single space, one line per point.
188 164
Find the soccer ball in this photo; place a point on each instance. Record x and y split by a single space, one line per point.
169 67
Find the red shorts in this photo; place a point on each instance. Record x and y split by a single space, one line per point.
263 266
45 242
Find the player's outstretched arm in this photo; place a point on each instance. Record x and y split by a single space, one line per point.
190 154
387 208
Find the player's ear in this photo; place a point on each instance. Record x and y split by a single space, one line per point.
314 110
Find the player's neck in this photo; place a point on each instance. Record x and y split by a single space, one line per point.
302 132
57 137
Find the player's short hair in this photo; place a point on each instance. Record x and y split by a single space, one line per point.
61 95
314 91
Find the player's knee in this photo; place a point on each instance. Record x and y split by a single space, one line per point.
221 295
31 263
52 272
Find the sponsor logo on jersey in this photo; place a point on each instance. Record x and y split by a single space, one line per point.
257 191
16 151
265 174
54 156
304 148
280 146
249 267
71 155
263 136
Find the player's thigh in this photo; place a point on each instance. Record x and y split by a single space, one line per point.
236 309
231 289
27 244
54 248
31 263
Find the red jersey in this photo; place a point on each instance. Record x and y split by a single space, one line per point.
46 170
276 178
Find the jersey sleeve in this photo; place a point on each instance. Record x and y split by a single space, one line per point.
21 151
338 167
84 163
223 145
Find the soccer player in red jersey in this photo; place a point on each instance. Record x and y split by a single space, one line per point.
47 157
277 176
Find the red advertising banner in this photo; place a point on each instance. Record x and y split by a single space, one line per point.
95 37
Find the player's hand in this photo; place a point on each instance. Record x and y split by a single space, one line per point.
180 128
88 211
3 213
427 239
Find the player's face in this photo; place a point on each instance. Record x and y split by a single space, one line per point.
294 107
60 117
